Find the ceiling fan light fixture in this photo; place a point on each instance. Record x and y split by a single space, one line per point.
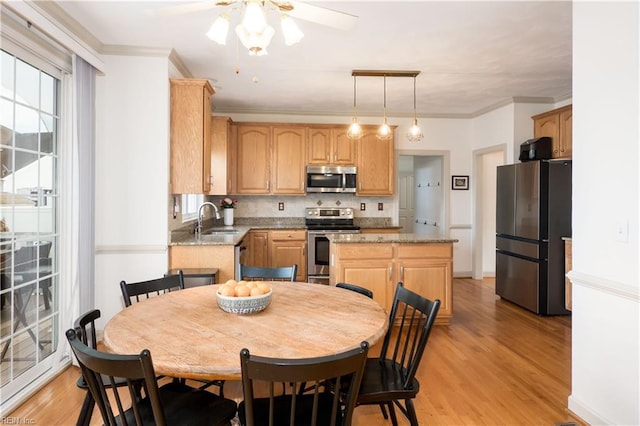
219 30
256 42
254 20
290 30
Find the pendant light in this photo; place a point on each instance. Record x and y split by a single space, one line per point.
415 134
355 131
384 131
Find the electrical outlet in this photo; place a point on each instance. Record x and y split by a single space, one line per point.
380 206
363 207
280 206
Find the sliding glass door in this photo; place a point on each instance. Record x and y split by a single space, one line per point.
29 236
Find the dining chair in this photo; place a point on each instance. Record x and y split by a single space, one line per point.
318 407
174 403
87 333
356 288
145 289
390 378
282 273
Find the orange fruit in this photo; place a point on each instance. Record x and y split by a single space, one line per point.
242 291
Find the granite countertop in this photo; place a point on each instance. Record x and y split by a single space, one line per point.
388 238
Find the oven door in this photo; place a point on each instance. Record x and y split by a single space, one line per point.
318 259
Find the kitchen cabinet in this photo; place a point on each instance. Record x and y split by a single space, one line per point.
376 164
289 247
190 109
288 158
425 268
222 159
330 145
278 248
557 124
253 155
270 159
204 256
257 243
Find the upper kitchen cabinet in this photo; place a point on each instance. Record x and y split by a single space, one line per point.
190 106
557 124
222 159
288 174
253 144
330 145
270 159
375 162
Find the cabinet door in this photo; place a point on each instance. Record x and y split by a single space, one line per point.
549 125
374 275
190 136
376 167
288 176
253 155
288 247
257 248
343 149
566 132
220 164
319 146
430 279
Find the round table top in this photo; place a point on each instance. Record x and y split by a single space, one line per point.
189 336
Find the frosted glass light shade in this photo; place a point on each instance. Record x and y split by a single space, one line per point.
254 21
290 30
256 42
219 29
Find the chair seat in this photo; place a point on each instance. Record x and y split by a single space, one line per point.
282 408
184 405
383 381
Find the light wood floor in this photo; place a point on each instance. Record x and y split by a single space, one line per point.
495 364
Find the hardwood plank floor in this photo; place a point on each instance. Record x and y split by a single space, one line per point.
495 364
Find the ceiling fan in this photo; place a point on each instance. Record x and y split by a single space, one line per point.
294 8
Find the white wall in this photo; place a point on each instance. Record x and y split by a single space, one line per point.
605 276
487 193
132 175
428 188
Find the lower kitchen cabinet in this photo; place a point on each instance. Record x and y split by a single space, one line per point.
203 256
278 248
426 269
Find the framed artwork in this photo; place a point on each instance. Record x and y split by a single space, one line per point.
460 182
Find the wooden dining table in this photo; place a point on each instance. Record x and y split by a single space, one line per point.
189 336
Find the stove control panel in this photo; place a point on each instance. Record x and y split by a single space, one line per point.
329 213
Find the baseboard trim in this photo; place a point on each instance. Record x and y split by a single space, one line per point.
580 411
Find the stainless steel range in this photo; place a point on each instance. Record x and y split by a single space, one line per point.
320 222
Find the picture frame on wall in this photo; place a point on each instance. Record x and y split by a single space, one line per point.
459 182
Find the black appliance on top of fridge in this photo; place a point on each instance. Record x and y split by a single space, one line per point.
533 213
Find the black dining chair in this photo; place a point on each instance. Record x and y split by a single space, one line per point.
142 290
282 273
356 288
318 407
390 378
87 333
174 403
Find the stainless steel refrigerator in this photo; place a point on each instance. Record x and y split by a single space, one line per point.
533 213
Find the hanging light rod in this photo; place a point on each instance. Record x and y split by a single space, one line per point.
384 73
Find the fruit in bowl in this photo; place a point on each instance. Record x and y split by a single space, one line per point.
243 297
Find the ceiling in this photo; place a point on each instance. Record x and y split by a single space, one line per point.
472 55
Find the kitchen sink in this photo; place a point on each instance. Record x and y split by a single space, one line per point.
220 231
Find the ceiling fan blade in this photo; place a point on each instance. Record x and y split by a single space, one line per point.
190 7
322 16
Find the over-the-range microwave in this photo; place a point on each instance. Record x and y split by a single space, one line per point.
331 179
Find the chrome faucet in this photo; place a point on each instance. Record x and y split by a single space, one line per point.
201 211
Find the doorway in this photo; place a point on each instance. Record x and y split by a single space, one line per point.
422 198
485 163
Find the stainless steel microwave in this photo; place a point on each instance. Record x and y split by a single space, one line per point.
331 179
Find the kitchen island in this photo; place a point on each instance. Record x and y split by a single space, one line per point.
378 262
